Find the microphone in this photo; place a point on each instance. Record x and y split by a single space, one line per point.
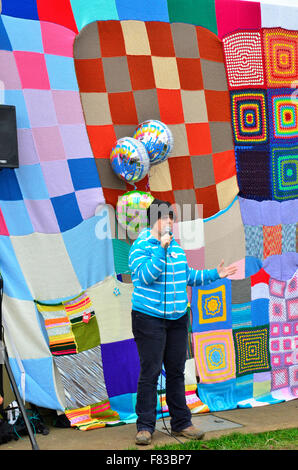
167 231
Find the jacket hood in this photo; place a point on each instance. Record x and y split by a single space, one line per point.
146 235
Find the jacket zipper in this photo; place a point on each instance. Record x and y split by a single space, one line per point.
173 282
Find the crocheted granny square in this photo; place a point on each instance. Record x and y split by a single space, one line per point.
252 350
249 117
281 56
283 115
214 355
243 58
284 162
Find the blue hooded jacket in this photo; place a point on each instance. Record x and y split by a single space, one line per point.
147 264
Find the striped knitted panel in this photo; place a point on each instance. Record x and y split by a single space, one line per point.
82 377
97 415
71 325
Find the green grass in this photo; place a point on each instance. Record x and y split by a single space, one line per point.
286 439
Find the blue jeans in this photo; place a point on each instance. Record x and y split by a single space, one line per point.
161 341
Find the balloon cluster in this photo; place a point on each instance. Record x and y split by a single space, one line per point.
132 157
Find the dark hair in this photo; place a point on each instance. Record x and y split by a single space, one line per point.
159 209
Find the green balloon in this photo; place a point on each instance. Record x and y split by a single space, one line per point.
131 210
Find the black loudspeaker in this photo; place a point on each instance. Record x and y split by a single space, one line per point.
9 156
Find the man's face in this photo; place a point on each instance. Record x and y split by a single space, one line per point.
164 222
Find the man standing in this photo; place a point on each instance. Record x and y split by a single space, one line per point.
160 275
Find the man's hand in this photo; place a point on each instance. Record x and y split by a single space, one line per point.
226 271
165 240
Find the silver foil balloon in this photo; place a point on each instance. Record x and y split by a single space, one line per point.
130 160
157 138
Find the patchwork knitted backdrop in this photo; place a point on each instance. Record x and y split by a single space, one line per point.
222 74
